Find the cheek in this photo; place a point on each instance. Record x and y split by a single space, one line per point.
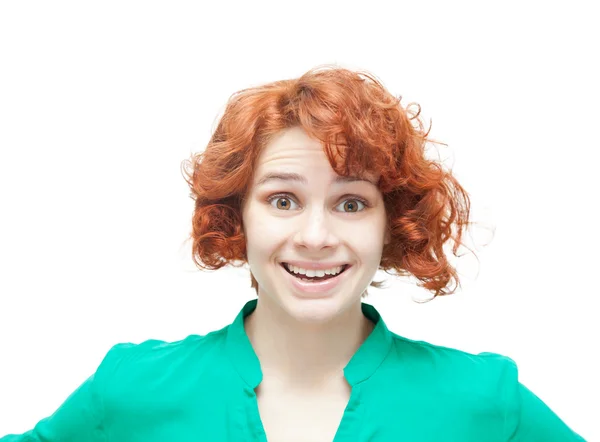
369 247
262 228
262 237
367 243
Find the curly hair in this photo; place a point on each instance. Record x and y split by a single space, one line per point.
370 130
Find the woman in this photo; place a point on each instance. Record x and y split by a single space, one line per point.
315 183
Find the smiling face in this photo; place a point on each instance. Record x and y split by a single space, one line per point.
299 210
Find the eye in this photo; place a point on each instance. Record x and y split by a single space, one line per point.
349 205
282 202
353 205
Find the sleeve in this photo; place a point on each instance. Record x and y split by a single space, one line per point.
528 418
80 418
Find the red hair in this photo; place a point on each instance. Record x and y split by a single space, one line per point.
355 117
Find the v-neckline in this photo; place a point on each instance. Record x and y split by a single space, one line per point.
363 364
347 428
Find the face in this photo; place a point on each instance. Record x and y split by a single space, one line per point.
299 210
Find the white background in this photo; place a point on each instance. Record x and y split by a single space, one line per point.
101 101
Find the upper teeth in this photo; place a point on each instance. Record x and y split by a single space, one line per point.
318 273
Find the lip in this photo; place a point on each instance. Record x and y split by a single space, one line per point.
309 289
311 265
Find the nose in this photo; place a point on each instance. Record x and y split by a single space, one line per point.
315 231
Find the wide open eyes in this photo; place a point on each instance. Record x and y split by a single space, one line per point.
351 203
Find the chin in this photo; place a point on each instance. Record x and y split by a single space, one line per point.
315 310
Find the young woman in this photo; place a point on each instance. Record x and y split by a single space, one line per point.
314 183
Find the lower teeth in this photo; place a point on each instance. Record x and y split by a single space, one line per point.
316 279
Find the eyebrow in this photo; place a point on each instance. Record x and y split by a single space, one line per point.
291 176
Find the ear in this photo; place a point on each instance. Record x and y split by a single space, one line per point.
388 237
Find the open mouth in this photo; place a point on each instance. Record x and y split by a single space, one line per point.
314 278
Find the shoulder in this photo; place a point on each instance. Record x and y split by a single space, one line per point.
154 351
485 372
137 373
480 391
483 385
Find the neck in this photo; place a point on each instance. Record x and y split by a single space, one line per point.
300 354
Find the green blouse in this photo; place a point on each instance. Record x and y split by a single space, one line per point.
202 389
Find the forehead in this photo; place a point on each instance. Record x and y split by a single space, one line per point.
292 143
293 150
